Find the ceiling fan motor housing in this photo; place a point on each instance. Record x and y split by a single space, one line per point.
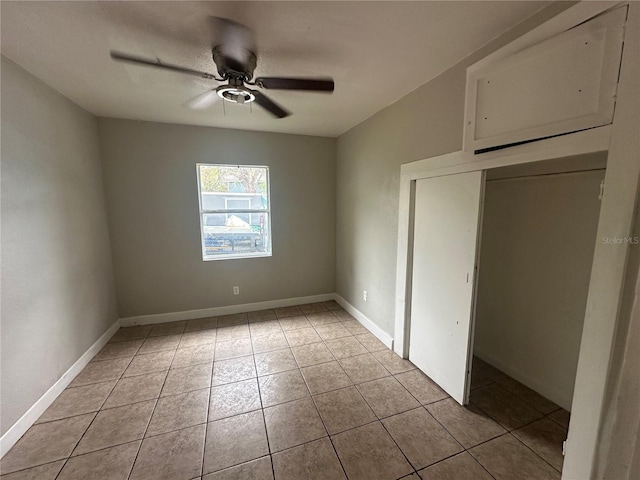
230 68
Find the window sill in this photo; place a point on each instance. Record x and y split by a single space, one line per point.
238 256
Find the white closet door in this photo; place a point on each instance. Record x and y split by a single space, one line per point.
446 230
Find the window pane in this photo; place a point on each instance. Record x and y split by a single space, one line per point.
223 179
226 234
240 203
232 192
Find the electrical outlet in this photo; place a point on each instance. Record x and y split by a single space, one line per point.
236 290
364 295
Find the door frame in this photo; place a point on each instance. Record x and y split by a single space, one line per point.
622 145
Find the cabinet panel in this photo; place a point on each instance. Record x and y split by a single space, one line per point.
563 84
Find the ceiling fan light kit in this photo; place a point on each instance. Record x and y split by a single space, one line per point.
236 61
235 92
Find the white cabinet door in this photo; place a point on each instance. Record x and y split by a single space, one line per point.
564 84
446 232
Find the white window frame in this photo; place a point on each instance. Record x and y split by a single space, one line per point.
230 211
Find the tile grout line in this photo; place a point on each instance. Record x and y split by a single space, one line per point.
137 353
135 459
423 406
328 435
536 453
464 449
399 449
123 356
510 431
311 395
131 441
297 399
460 453
116 380
517 397
322 340
37 466
299 368
379 420
132 376
264 420
468 449
362 355
206 425
66 460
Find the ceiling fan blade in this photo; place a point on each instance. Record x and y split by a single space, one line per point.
269 105
236 41
308 84
123 57
204 100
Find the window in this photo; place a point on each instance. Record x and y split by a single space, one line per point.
234 211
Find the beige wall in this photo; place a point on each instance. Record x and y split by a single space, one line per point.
423 124
58 295
538 238
150 179
427 123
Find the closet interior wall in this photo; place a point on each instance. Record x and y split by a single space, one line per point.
538 238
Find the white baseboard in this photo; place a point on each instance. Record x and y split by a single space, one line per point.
19 428
543 388
227 310
14 434
383 336
251 307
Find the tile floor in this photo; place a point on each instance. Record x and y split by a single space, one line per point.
293 393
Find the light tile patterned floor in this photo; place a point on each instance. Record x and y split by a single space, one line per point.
294 393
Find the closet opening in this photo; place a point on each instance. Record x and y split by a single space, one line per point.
537 242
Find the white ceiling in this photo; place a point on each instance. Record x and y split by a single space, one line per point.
377 52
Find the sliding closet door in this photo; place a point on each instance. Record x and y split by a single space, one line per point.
446 230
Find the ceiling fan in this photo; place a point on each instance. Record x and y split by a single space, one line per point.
234 54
